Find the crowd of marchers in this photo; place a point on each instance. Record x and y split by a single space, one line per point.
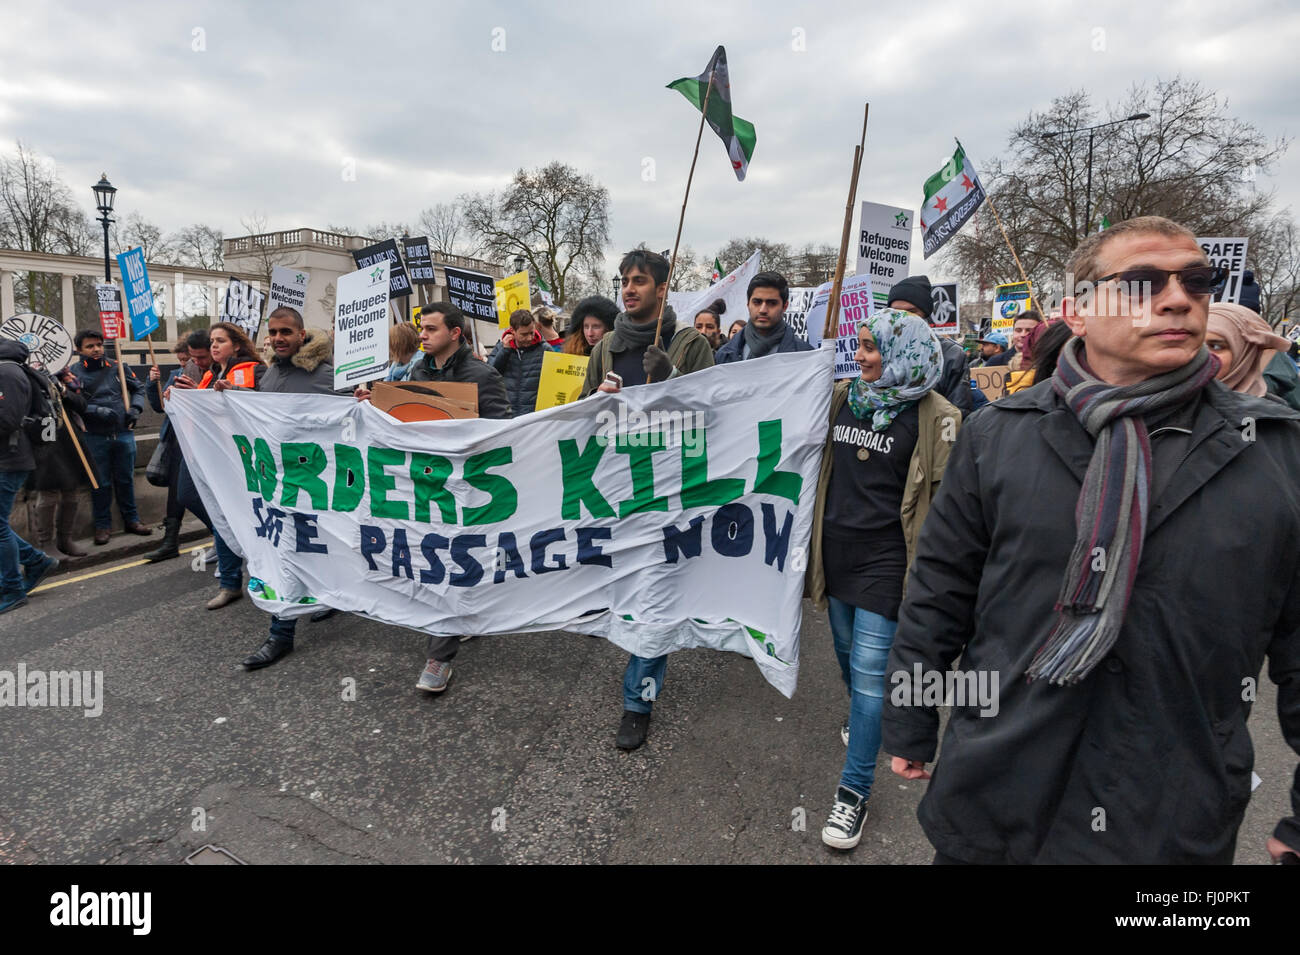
1115 538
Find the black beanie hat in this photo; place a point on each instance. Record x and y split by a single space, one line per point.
914 290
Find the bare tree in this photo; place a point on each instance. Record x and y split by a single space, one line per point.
691 272
1191 161
555 217
1275 253
135 231
815 264
447 229
199 246
266 254
773 256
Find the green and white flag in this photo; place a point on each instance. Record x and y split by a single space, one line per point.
736 134
544 291
717 272
951 197
1105 224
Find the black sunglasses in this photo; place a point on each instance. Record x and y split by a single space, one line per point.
1196 280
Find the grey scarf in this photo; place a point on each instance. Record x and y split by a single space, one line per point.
758 344
632 336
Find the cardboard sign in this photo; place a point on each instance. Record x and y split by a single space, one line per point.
288 290
243 307
386 251
511 294
884 247
426 400
139 293
110 311
361 326
1231 255
561 381
945 318
419 264
49 345
992 381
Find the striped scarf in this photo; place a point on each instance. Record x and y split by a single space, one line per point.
1111 513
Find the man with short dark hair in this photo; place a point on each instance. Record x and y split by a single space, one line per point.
992 346
631 354
767 331
913 294
110 434
518 359
1132 504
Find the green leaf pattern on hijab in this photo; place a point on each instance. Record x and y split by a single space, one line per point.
912 361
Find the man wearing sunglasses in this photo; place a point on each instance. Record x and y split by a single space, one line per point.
1147 524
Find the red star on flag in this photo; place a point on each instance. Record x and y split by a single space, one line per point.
941 204
965 181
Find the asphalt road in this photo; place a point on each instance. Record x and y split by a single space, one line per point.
514 763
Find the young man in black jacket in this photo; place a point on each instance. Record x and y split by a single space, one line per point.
21 565
110 434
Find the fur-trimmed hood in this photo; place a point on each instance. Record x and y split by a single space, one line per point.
316 348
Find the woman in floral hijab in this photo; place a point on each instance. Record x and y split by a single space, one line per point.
885 454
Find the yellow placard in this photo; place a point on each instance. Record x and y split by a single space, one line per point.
561 381
512 294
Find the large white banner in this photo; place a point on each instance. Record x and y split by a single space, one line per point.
732 288
668 516
361 326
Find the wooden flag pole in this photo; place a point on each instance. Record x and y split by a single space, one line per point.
76 443
1007 239
121 373
672 263
152 361
832 329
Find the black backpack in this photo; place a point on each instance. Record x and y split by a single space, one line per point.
41 423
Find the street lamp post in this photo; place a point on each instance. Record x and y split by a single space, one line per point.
105 195
519 263
618 285
1092 131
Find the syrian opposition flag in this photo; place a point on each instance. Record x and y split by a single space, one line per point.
717 272
736 134
951 197
544 291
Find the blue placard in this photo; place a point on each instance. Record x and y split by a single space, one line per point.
139 293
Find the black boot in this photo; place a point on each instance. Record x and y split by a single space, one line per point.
169 547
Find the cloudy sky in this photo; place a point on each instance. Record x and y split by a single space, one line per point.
208 112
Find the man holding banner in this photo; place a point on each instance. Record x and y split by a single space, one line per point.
629 354
110 434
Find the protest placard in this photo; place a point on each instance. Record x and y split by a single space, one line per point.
471 292
511 295
561 381
1009 301
139 293
49 346
1229 254
110 311
288 289
419 263
386 251
361 326
243 306
945 319
884 247
991 380
796 309
856 303
551 521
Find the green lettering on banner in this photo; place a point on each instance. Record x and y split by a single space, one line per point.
640 459
786 484
577 468
349 479
381 482
267 475
697 489
429 473
246 459
505 499
303 463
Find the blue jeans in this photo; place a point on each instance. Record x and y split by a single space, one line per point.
229 564
283 629
636 689
15 553
114 457
862 643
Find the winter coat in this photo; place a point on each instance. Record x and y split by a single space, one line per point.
58 466
688 351
309 372
1148 759
1282 379
934 440
954 380
521 368
15 404
463 366
734 350
102 390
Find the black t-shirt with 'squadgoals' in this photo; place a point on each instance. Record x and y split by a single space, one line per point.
863 548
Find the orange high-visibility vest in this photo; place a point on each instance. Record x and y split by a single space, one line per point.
241 375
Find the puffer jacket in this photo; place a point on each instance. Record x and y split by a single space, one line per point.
102 390
310 371
521 368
